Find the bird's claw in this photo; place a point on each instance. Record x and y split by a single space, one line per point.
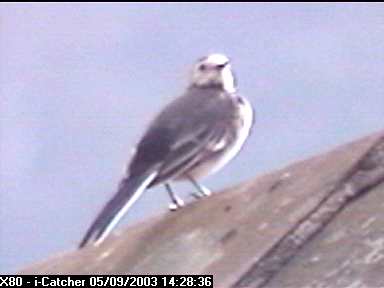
205 192
176 204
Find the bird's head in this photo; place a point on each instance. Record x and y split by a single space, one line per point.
213 70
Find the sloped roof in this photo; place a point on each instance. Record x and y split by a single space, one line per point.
315 223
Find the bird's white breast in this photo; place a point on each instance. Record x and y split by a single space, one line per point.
211 166
246 114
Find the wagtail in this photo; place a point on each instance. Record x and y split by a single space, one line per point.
192 137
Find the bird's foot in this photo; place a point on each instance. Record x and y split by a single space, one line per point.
176 204
203 192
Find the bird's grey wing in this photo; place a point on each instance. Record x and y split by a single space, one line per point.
177 140
193 149
165 150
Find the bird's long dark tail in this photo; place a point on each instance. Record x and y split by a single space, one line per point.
130 189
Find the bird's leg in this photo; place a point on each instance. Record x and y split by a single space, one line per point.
177 202
203 191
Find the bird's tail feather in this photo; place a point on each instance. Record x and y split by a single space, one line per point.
130 189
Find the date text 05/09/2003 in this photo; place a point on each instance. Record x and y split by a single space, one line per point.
107 281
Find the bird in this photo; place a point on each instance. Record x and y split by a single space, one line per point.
194 136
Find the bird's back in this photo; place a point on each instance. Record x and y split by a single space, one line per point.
185 120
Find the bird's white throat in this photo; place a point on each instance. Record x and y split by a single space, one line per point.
228 79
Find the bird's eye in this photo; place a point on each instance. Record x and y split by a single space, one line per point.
203 67
221 66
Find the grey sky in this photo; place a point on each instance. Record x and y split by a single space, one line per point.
78 83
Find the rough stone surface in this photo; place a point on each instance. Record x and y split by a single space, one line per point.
362 177
315 223
349 252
